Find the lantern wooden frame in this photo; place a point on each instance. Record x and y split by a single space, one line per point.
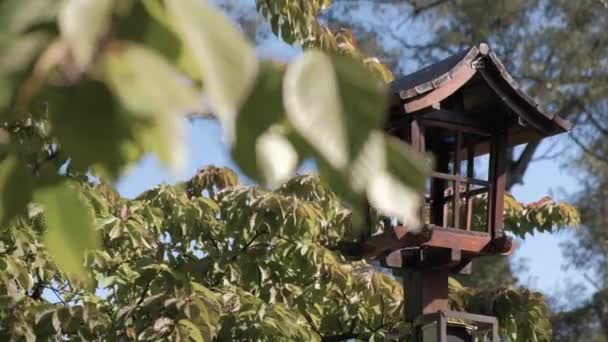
458 109
472 97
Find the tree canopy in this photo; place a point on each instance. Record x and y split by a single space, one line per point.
212 258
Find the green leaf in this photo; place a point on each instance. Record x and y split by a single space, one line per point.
162 37
260 149
188 328
276 157
364 100
82 23
20 50
337 106
410 167
312 100
70 226
16 185
85 118
17 16
135 74
227 62
334 104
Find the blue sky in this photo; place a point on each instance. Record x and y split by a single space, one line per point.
541 253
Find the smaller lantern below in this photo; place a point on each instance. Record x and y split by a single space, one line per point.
452 326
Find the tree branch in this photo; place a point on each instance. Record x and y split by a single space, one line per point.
603 130
587 150
518 168
428 6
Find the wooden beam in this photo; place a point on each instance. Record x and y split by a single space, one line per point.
454 127
470 193
469 242
447 176
453 120
451 260
414 134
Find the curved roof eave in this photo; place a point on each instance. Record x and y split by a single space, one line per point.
436 82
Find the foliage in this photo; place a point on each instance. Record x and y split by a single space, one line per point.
212 258
512 307
297 22
239 263
98 89
544 215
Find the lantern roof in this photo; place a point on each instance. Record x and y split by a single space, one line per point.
487 93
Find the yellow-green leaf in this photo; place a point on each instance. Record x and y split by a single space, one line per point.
82 23
70 230
312 101
227 62
262 152
188 328
148 87
15 187
92 130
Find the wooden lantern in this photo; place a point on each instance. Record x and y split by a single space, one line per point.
463 109
466 111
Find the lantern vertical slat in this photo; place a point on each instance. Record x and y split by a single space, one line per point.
490 200
456 183
417 141
469 197
415 135
498 172
439 216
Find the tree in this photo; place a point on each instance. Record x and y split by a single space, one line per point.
589 252
90 86
210 257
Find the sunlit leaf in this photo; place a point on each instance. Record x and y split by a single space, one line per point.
276 157
18 15
227 62
189 329
255 146
162 37
409 167
134 74
82 23
314 107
